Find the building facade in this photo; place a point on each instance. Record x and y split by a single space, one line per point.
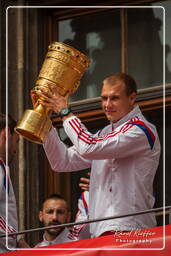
129 36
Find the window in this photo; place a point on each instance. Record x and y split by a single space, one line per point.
145 46
167 7
98 36
117 39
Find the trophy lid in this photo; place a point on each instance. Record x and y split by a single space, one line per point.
69 50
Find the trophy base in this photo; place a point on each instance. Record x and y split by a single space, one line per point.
34 126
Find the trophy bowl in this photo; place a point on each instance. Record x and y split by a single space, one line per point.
63 68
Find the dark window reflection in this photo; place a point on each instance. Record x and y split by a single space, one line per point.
98 36
145 46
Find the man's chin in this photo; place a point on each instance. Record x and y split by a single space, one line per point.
110 118
53 231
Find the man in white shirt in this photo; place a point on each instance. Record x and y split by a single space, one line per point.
55 212
123 156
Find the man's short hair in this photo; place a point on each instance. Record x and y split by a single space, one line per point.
55 197
129 82
11 122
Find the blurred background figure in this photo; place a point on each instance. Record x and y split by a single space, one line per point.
8 148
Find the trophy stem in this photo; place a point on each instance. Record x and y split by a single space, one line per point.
40 109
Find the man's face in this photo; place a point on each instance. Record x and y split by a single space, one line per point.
115 102
13 140
54 212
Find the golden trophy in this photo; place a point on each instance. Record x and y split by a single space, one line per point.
63 68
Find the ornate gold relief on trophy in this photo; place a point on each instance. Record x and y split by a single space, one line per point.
63 67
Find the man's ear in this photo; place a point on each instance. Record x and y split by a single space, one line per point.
132 98
40 216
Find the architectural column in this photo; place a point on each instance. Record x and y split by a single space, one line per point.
20 83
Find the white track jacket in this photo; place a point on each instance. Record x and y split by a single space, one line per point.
123 157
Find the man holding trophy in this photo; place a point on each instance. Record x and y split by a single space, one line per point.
123 156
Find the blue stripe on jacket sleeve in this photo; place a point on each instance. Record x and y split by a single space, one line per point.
147 131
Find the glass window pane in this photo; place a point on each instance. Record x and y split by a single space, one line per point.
98 36
167 7
145 46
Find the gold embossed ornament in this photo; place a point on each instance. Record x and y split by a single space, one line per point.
63 68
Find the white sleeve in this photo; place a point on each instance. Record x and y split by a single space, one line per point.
81 231
61 158
126 141
83 203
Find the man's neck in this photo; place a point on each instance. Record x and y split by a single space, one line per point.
50 237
